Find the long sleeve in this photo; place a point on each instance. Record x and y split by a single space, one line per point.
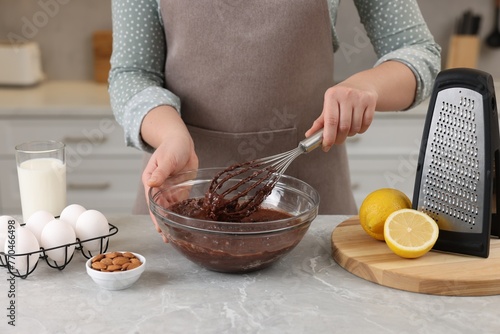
136 80
398 32
396 29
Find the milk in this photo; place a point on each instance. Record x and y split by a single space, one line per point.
42 184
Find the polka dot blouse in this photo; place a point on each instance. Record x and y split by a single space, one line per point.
396 30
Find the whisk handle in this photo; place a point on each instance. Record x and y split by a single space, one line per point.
309 144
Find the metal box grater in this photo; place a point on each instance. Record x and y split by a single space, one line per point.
458 167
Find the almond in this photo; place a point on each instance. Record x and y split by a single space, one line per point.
129 255
114 267
134 265
120 260
99 265
113 255
98 258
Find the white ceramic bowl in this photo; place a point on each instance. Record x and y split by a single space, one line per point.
117 280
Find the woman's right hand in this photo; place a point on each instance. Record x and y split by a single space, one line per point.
174 149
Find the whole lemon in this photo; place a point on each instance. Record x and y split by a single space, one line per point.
377 206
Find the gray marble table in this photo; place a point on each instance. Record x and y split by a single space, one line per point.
306 292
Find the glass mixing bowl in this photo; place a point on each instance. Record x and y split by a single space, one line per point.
233 247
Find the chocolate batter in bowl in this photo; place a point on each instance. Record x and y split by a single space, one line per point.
251 244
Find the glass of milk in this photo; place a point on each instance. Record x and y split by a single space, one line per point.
41 170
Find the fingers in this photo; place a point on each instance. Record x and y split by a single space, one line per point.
157 177
174 156
367 118
316 126
331 121
158 229
153 218
155 174
347 111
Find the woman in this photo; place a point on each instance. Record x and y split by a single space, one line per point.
254 78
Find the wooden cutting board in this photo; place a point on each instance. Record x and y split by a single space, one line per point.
434 273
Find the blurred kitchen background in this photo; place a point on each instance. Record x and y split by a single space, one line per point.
63 29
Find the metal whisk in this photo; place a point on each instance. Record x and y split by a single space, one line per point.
258 178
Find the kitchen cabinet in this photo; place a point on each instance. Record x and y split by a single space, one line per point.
102 173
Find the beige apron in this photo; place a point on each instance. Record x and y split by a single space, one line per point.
251 76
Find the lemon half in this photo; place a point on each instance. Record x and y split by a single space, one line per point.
410 233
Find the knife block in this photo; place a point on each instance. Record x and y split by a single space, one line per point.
463 51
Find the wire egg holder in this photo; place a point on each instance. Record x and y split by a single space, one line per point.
7 259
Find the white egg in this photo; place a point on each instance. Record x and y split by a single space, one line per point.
92 224
37 221
57 233
22 241
71 213
7 223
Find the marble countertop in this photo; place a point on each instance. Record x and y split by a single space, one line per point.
305 292
56 98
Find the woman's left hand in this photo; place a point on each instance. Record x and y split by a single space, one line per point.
348 109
